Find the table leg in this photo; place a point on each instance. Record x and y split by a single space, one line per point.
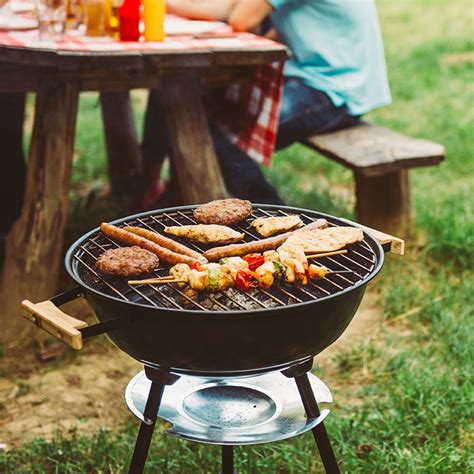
12 162
123 150
199 175
34 245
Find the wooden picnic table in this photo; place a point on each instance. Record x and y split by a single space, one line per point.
57 76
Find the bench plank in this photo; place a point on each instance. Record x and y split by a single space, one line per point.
372 150
380 159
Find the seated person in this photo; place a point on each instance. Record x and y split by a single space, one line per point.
336 74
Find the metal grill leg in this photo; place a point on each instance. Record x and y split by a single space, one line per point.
300 374
319 431
158 381
227 459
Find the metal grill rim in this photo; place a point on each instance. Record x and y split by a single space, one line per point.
342 284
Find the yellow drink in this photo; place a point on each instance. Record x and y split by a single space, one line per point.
154 19
95 17
112 18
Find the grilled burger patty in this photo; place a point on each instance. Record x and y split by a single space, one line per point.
127 261
223 211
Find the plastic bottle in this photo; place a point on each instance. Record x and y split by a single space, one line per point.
129 20
112 18
154 19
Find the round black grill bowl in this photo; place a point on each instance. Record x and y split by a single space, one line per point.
225 342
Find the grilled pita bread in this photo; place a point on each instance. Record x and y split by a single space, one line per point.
325 240
267 226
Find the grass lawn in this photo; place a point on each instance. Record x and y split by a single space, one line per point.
408 403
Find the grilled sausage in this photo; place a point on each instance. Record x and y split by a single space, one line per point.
165 242
258 246
128 238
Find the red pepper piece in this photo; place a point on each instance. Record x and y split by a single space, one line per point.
254 260
243 280
196 266
306 268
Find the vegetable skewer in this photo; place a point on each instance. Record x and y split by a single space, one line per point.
288 263
170 279
324 254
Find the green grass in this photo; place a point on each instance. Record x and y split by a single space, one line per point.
403 400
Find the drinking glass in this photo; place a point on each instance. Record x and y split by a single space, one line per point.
95 17
51 15
74 14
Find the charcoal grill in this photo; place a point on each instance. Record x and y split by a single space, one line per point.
226 334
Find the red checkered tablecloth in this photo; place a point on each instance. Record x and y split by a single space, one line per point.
259 101
75 41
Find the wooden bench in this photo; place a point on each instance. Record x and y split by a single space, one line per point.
380 159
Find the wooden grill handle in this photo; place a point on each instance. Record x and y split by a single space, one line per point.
47 316
397 245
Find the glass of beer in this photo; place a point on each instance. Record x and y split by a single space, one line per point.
95 17
51 15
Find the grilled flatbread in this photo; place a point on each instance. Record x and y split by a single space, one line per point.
325 240
267 226
206 234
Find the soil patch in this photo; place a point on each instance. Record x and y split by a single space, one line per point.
86 393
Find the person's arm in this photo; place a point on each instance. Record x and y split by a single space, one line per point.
272 34
248 14
202 9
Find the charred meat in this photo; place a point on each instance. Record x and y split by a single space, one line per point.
206 234
223 211
127 261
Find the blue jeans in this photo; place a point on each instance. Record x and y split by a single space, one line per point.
304 111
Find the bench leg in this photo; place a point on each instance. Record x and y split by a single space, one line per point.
383 202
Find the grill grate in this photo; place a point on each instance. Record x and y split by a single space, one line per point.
360 260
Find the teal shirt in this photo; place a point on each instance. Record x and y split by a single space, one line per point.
336 47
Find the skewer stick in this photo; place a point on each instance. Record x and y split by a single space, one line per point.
155 281
325 254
